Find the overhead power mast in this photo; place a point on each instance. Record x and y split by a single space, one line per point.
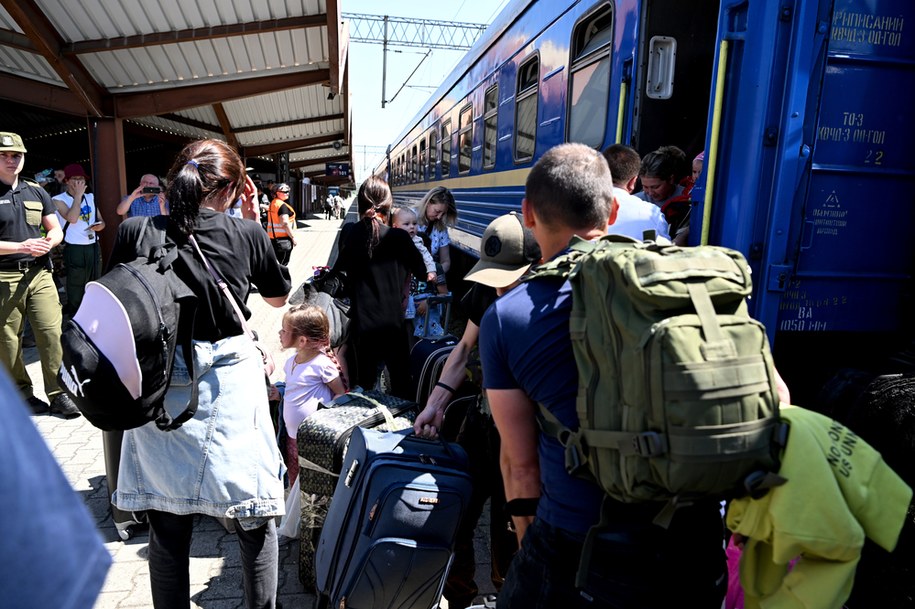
400 31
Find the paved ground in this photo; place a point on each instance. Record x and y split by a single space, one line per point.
215 566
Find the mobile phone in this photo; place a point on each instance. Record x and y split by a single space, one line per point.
151 190
95 224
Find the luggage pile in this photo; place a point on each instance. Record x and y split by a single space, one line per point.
380 507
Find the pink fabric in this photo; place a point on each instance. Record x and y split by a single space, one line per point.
734 597
292 460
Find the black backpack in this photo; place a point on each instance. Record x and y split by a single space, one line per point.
119 348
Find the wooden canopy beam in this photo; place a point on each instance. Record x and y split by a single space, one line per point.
292 123
320 161
193 34
226 125
41 95
33 22
134 105
290 145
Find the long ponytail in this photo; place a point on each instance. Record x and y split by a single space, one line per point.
206 173
373 199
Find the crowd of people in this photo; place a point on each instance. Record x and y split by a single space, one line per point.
390 257
387 260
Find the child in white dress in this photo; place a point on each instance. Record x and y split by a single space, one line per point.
312 373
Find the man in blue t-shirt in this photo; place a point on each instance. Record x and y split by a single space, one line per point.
527 359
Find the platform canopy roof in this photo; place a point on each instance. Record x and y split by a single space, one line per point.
268 76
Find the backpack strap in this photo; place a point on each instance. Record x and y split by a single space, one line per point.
562 266
224 288
164 256
144 224
575 456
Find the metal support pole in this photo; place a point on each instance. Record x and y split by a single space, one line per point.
384 60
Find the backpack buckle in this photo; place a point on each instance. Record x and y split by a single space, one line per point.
758 483
649 444
574 462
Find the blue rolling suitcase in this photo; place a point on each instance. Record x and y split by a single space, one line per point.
389 536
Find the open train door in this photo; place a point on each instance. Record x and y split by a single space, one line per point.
815 179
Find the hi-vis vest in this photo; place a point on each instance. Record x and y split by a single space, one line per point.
276 228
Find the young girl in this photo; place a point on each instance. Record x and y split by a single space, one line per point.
436 211
312 373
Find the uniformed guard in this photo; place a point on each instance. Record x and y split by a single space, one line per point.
26 286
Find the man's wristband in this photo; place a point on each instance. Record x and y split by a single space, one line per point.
522 506
444 386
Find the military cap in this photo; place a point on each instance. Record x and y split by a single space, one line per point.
11 142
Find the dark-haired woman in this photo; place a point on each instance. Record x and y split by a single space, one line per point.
659 176
224 462
377 260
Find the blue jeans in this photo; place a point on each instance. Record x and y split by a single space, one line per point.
169 561
636 566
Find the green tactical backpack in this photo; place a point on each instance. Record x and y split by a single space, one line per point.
677 394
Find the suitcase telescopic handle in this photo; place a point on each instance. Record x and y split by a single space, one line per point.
438 440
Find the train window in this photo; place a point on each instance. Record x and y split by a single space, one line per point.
446 149
465 139
589 82
433 150
490 116
526 109
422 160
593 34
414 174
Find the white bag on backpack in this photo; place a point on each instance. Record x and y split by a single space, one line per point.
106 322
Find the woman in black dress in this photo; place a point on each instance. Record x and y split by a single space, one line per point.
377 260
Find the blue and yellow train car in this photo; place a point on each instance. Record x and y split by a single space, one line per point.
803 109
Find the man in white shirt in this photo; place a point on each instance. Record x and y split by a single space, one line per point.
635 216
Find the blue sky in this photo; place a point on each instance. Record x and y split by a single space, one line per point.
375 127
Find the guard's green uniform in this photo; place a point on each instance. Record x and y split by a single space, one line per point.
27 288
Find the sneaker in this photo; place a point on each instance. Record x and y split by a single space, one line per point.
38 405
64 406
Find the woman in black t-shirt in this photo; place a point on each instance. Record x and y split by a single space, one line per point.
224 462
377 260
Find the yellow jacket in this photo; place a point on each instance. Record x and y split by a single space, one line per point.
839 490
